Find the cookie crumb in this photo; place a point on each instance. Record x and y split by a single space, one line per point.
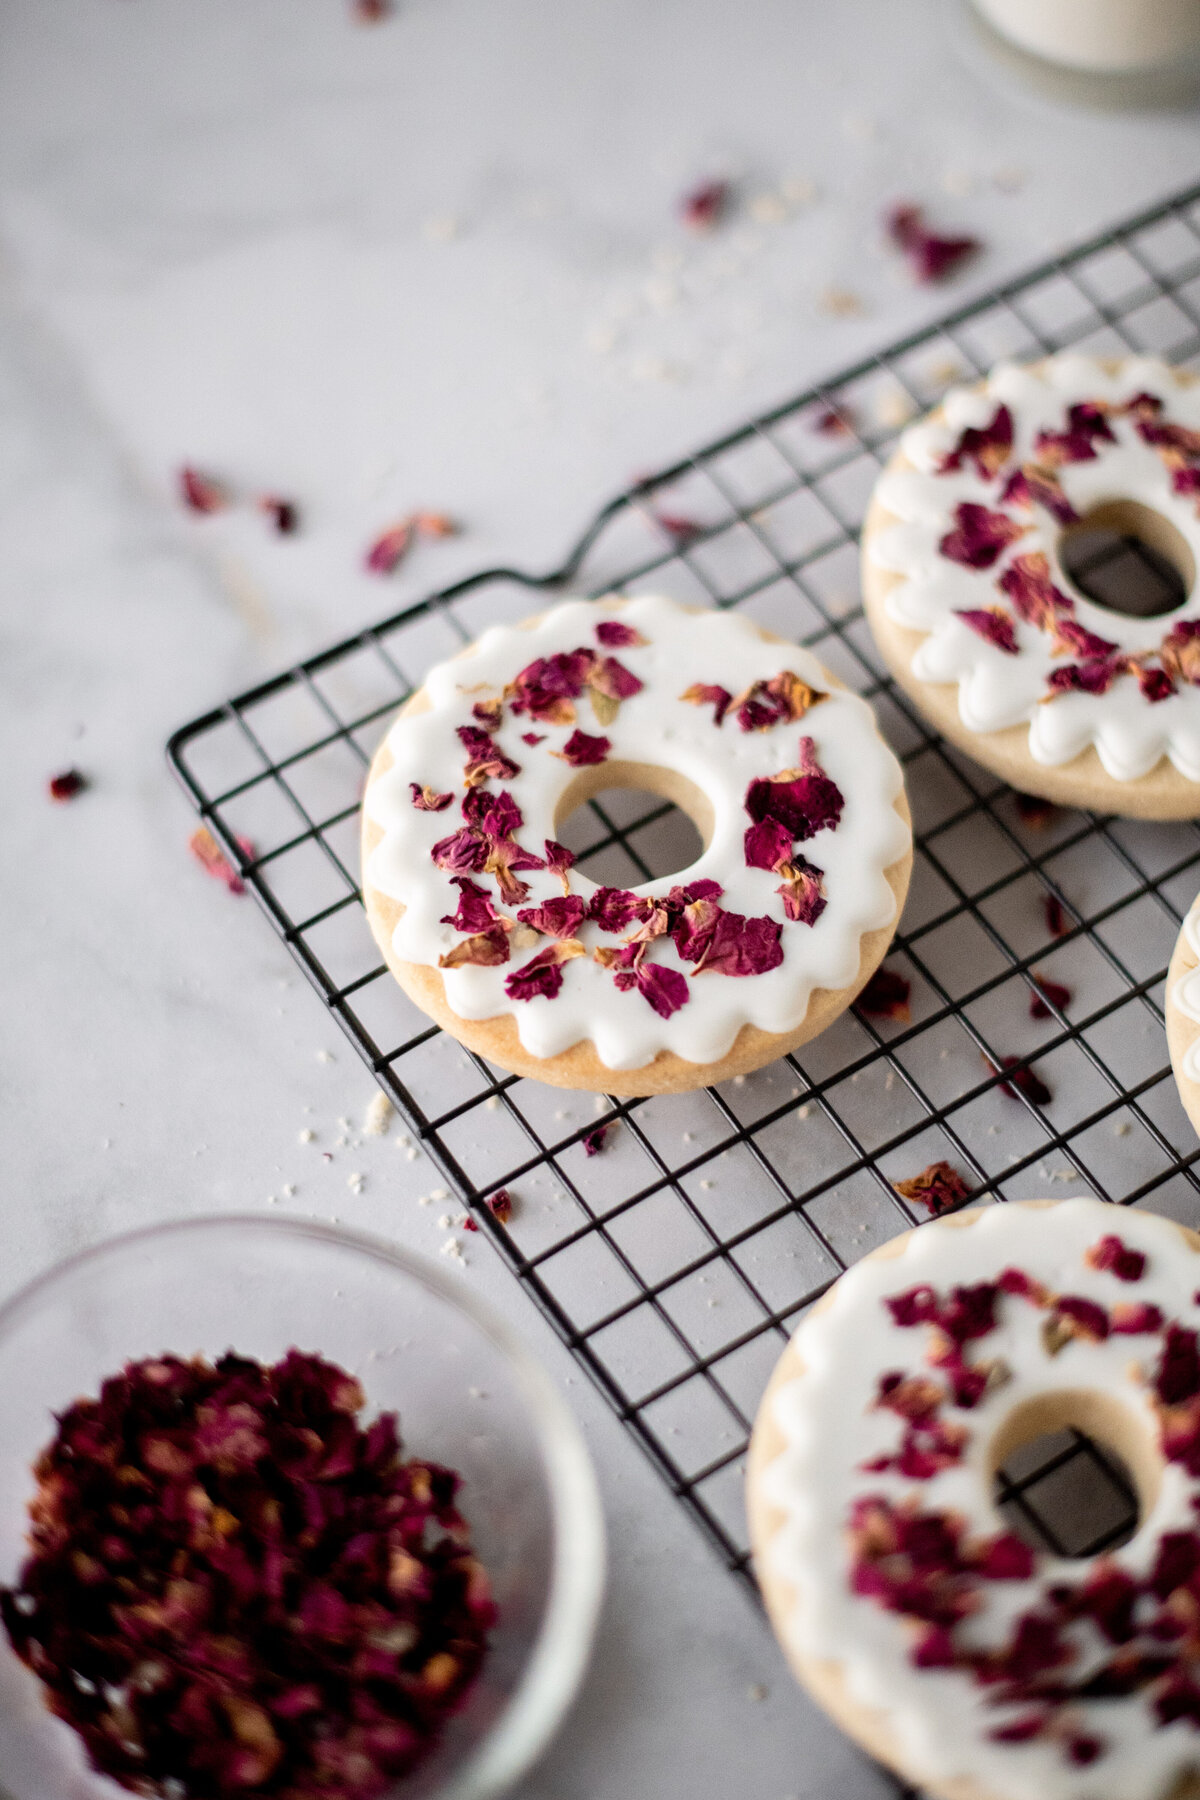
840 303
411 1154
756 1691
441 228
445 1221
438 1194
453 1248
378 1115
1121 1128
492 1102
306 1136
288 1189
802 1112
325 1056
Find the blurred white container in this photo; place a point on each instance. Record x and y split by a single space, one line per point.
1101 36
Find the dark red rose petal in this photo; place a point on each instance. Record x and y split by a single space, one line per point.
1032 486
485 950
1179 651
1028 584
803 800
500 1205
930 256
682 530
1132 1318
937 1188
979 536
1069 635
782 699
836 421
1085 1317
1177 1377
533 737
1020 1081
475 910
612 679
1155 684
485 759
582 751
1117 1258
741 946
385 554
802 891
614 909
987 446
665 989
703 207
427 799
1163 436
614 635
593 1140
464 852
542 977
1093 676
1057 922
283 514
767 845
488 713
67 785
886 996
559 917
991 623
1034 811
1048 993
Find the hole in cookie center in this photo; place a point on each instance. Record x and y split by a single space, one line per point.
1130 559
1073 1472
632 822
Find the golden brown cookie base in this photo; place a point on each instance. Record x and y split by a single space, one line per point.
1182 1032
498 1040
823 1678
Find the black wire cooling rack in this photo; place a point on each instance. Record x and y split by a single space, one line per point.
675 1263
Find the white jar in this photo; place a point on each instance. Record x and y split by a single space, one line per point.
1105 36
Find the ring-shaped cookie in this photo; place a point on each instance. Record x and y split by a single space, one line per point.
676 982
978 1667
976 615
1183 1013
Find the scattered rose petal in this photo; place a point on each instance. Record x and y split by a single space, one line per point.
488 713
804 800
664 989
67 785
802 890
283 514
1034 811
979 536
593 1140
464 852
427 799
542 976
582 751
1070 636
475 910
987 446
937 1188
212 859
388 550
1057 922
200 492
1046 994
485 759
485 950
718 698
1116 1257
614 909
836 422
1028 585
1180 651
705 206
784 698
931 257
559 917
767 845
1020 1081
1155 684
533 737
500 1205
1131 1318
613 634
371 12
741 946
678 527
991 623
559 860
886 996
1086 422
1034 485
1093 676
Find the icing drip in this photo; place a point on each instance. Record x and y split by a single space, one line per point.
957 561
826 900
1042 1301
1186 994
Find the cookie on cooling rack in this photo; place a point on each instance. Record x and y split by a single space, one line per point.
679 982
975 1665
1183 1013
982 533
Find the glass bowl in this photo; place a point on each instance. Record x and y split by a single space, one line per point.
421 1344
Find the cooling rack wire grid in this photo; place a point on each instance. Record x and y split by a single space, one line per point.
675 1264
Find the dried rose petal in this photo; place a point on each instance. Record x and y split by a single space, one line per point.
427 799
676 526
765 704
1057 922
987 446
593 1140
485 950
613 680
485 759
558 860
931 257
371 12
200 492
582 751
703 207
533 737
488 713
1130 1318
464 852
937 1188
1083 1318
1046 994
665 989
1020 1081
475 910
614 635
804 800
1028 585
212 859
1069 635
542 976
1086 422
1117 1258
1177 1377
1032 485
385 554
993 624
504 859
559 917
1093 676
1186 481
802 890
718 698
1180 651
547 687
614 909
500 1205
1169 437
767 845
741 946
1155 684
836 422
67 785
979 536
283 514
1034 810
886 996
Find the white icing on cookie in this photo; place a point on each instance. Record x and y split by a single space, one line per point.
940 1717
1185 995
996 690
653 727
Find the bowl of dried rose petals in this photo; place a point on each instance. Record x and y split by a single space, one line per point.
284 1512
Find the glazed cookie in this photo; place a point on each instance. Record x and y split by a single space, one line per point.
965 576
678 982
1183 1014
969 1662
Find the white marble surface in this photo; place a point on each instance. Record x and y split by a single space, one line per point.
433 263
